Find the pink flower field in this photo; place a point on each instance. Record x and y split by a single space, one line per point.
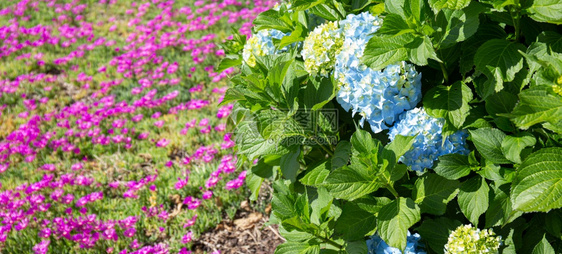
112 140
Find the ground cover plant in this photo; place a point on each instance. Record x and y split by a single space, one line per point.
404 126
111 137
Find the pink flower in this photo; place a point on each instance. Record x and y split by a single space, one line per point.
187 237
159 124
162 143
77 166
207 194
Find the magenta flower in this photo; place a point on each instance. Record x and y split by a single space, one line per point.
162 143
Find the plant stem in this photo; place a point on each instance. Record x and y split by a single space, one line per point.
323 147
392 190
330 242
445 74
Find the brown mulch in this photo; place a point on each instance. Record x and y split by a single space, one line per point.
245 234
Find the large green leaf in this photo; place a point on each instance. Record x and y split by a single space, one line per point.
488 142
499 60
546 11
436 232
449 102
513 145
351 182
395 219
500 211
341 155
538 184
537 105
297 248
433 192
316 174
437 5
543 247
382 51
473 198
355 223
453 166
290 164
457 24
273 19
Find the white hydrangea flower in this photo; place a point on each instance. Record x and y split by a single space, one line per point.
321 47
469 240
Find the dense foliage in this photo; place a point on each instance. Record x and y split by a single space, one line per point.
416 126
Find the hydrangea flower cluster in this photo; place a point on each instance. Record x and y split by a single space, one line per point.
321 47
467 239
378 96
429 143
377 246
261 44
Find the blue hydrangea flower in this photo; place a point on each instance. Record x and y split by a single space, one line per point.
378 96
429 144
376 245
261 44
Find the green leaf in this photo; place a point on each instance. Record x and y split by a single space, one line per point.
395 219
272 19
513 145
393 24
341 155
485 32
499 60
421 49
488 142
453 166
297 248
502 102
543 247
537 187
398 147
290 164
382 51
357 247
500 211
437 5
457 25
252 144
326 12
254 184
537 105
552 39
449 102
228 62
473 198
317 175
350 182
363 142
354 222
296 35
436 232
320 206
546 11
433 192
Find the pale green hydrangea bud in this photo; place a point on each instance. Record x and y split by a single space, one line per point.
469 240
321 47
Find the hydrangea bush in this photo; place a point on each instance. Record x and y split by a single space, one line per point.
464 112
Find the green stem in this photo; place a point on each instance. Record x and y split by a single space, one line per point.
516 22
330 242
323 147
392 190
445 74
